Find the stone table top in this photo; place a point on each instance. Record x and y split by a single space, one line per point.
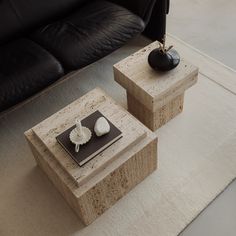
150 86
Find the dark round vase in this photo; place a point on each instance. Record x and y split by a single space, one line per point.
163 61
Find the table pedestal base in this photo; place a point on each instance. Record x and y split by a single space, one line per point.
93 198
154 120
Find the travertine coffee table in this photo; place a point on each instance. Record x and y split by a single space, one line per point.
96 186
154 97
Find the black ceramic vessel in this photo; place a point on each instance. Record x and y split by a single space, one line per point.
163 61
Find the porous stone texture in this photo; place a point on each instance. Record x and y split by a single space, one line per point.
100 188
154 97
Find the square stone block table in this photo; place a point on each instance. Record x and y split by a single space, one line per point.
154 97
97 185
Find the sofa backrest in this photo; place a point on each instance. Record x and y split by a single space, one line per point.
18 16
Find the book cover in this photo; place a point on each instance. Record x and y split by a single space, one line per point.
95 145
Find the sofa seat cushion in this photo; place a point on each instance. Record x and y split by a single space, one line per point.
25 69
90 33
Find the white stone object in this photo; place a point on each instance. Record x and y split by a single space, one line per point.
80 135
101 126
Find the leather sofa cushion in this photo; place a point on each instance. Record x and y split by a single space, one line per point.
142 8
25 69
18 16
91 32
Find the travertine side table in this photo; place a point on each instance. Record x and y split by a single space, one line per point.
154 97
100 183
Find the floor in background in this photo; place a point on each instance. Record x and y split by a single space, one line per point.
209 26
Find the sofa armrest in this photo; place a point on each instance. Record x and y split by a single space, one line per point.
156 27
153 12
142 8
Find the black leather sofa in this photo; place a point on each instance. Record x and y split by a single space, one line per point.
41 41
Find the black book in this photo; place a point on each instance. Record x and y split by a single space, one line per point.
95 145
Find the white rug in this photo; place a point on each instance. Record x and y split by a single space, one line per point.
197 160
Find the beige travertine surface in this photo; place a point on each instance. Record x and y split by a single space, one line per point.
154 97
162 115
110 175
48 129
152 88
